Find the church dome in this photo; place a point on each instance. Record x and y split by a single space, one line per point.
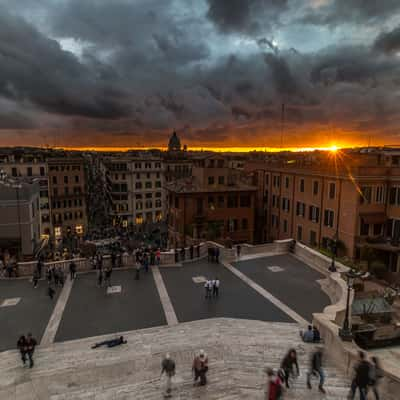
174 143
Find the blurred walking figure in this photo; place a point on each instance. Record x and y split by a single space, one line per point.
49 275
35 278
158 257
217 255
215 287
375 376
274 385
137 275
287 365
200 368
51 292
208 287
30 344
107 276
191 249
99 277
21 344
238 250
316 369
362 377
168 367
72 270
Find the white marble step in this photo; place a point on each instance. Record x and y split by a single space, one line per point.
238 350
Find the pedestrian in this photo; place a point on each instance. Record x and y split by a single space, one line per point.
287 365
113 259
176 255
191 249
215 287
238 250
274 385
308 335
21 345
316 369
99 277
362 377
200 368
35 278
30 344
107 276
212 254
207 287
146 262
137 275
217 255
51 292
49 275
61 276
182 254
152 257
375 376
110 343
55 275
168 367
316 335
72 270
39 268
158 257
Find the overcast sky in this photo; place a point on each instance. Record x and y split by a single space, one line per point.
128 72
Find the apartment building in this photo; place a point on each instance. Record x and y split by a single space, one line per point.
351 198
19 217
211 204
67 183
29 168
137 182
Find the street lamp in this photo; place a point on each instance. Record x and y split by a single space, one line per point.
345 332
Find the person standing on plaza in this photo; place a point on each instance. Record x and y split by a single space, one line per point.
168 367
107 276
375 376
99 277
316 368
137 275
200 368
72 270
51 292
207 287
362 377
158 256
216 284
238 250
146 262
288 364
35 278
55 275
217 255
152 257
21 345
61 276
30 344
39 267
49 275
274 385
183 254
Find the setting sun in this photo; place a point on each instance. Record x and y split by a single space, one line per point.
333 148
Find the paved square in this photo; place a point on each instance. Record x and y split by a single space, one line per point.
10 302
296 286
236 300
275 269
199 279
31 314
90 311
114 289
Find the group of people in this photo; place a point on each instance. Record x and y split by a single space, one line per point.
180 254
213 254
311 335
26 346
211 287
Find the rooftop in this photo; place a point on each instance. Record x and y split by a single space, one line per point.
191 185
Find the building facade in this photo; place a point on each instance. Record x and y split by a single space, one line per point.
354 201
137 189
67 182
19 217
213 204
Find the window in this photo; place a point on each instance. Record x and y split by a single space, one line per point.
379 194
66 191
14 172
245 224
55 192
158 184
139 205
199 206
29 171
285 204
138 197
42 171
147 165
285 226
266 180
137 175
365 195
123 177
313 238
287 181
148 175
245 200
149 204
221 180
377 229
66 179
158 194
221 201
302 185
313 214
211 201
364 228
315 187
139 219
332 190
176 202
149 195
232 201
158 175
276 180
76 178
211 180
273 200
116 177
158 203
138 185
329 216
57 231
54 179
220 163
158 165
300 209
299 233
79 229
148 185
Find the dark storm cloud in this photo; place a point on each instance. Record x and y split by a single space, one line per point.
337 12
247 16
34 68
388 42
16 120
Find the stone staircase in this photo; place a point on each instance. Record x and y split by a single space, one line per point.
238 352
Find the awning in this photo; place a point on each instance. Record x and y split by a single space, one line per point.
373 218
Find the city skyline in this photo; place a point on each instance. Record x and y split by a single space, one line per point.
244 73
